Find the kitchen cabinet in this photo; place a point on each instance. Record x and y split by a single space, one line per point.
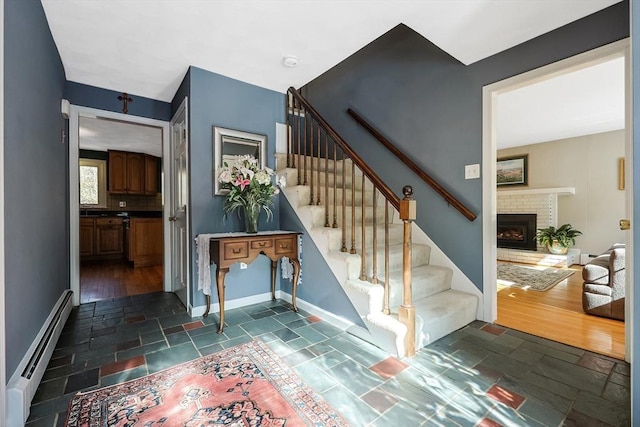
151 166
145 241
133 173
109 236
101 238
87 237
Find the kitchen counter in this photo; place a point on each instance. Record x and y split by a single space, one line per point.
91 213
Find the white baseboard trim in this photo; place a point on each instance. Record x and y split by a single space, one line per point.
333 319
198 311
25 380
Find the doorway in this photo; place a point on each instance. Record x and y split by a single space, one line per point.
117 233
491 94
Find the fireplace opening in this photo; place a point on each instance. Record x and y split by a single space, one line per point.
517 231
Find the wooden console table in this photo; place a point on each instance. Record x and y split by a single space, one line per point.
226 249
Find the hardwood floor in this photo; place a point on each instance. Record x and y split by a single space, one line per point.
556 314
101 280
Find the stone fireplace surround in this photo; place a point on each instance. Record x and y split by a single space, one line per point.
544 203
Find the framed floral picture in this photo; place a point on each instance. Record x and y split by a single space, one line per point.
512 170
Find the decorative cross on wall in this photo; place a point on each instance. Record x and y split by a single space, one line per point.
125 98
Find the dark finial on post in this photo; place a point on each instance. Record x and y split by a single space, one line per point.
407 190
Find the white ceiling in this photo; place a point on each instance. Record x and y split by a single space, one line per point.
145 47
103 134
584 102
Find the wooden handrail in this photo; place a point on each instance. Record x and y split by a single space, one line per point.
448 197
366 169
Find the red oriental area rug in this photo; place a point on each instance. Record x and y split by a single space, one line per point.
246 385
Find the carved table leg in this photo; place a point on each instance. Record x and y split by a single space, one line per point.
221 273
274 267
208 300
296 274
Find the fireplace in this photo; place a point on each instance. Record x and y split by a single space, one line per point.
517 231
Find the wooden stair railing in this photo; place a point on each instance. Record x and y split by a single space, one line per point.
450 199
315 147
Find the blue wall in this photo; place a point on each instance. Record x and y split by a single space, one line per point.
104 99
430 105
216 100
35 170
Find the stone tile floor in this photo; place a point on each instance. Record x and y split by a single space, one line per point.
481 375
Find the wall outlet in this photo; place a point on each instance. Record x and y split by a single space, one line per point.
123 204
472 171
243 266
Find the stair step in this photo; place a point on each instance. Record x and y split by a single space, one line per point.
444 313
426 280
335 239
419 257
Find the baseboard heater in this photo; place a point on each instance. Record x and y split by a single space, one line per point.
24 382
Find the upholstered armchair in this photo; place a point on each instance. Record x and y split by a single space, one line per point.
604 284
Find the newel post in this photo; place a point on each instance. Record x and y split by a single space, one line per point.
407 312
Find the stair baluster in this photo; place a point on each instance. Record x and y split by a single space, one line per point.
344 207
318 200
310 142
289 139
299 139
363 252
374 243
386 309
335 188
353 208
326 181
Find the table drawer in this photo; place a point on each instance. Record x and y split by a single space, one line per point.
236 250
285 245
262 244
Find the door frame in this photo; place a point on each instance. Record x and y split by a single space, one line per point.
75 112
490 93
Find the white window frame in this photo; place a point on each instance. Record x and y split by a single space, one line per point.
102 180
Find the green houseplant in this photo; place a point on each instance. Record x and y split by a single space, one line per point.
558 240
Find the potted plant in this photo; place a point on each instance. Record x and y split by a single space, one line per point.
558 240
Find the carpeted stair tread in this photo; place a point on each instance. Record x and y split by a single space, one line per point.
427 280
445 312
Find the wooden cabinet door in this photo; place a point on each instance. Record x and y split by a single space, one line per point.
117 172
145 235
151 175
135 173
109 236
86 236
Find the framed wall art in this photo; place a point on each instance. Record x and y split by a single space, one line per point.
512 170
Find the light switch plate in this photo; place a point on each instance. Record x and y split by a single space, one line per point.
472 171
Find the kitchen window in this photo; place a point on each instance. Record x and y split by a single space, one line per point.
93 183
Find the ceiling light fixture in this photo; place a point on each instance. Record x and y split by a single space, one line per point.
290 60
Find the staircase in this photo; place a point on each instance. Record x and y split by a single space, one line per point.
388 278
